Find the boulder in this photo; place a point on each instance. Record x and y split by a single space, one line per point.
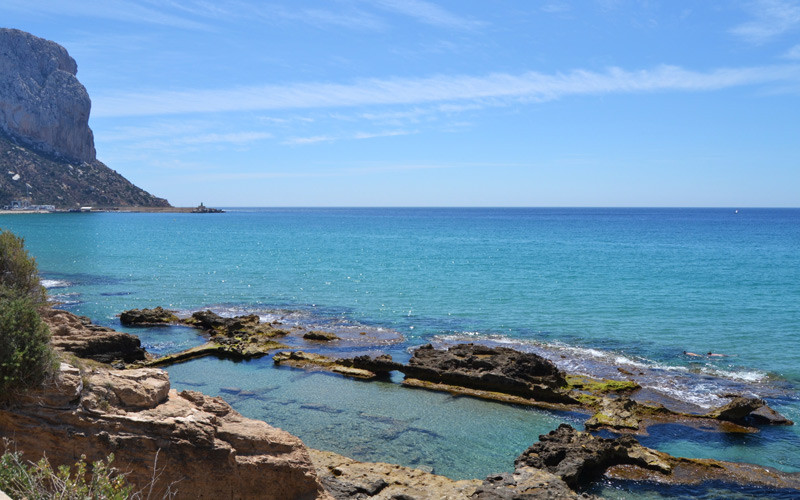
197 445
155 316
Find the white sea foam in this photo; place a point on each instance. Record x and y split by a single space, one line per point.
689 384
48 283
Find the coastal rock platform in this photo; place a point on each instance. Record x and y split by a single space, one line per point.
186 442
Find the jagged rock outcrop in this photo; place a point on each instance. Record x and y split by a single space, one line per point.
46 145
156 316
579 458
79 336
204 449
490 368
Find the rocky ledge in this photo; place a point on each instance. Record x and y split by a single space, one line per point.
79 336
239 337
192 444
509 376
561 465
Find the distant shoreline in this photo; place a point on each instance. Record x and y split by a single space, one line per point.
165 210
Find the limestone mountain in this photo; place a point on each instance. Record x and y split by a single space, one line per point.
46 146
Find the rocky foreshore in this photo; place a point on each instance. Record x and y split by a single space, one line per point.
202 448
192 444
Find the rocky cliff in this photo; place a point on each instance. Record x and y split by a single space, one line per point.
46 145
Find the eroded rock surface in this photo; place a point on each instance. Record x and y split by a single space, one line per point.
579 457
348 479
156 316
204 448
78 335
490 368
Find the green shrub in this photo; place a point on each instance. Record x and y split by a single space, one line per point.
26 357
35 481
19 276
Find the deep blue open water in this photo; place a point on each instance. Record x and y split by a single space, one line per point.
591 288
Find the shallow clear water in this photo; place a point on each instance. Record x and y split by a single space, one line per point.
588 287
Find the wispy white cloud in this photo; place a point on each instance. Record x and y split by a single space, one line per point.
530 86
293 141
428 13
772 18
384 133
793 53
117 10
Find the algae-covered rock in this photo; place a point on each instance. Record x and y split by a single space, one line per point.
320 336
615 413
155 316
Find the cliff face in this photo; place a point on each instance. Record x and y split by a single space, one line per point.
46 145
41 100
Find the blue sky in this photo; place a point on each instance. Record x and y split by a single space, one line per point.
434 103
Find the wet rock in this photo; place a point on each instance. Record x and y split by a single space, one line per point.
767 416
305 360
382 364
579 458
737 410
490 368
615 413
320 336
155 316
77 335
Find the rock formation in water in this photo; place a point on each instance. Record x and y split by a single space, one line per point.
46 146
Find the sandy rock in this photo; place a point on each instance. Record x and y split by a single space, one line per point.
345 478
525 484
77 334
203 448
62 391
127 390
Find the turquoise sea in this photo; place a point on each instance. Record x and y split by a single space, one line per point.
593 289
